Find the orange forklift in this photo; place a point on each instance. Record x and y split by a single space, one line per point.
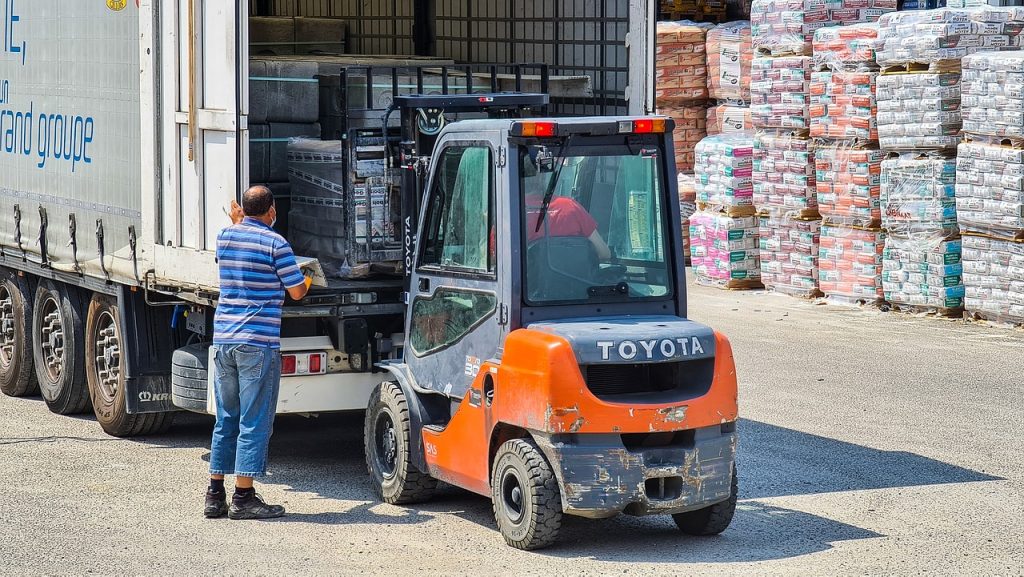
547 359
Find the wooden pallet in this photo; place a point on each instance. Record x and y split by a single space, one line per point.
922 67
925 310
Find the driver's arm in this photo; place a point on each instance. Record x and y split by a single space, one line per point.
603 252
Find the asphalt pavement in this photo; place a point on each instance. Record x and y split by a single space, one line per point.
871 444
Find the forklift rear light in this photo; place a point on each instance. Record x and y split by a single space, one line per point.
645 126
539 129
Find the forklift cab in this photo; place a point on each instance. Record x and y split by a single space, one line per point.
531 220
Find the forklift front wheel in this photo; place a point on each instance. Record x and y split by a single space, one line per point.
386 443
525 496
709 520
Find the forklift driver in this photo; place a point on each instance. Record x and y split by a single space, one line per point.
565 217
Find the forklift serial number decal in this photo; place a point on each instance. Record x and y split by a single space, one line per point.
668 348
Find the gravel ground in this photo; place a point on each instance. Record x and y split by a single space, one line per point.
871 444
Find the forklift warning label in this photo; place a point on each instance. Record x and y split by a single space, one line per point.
649 350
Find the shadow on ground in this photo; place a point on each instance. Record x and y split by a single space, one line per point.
323 457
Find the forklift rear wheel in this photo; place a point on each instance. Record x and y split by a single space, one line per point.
709 520
525 496
386 442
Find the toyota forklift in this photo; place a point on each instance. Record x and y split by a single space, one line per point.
547 360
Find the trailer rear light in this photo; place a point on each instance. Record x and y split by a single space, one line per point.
539 129
295 364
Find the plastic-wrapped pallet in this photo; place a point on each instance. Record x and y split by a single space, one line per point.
843 105
784 176
994 279
848 184
923 275
990 189
779 89
850 264
919 111
845 47
729 54
786 26
681 62
946 35
324 221
729 118
992 94
723 173
725 250
687 206
918 195
691 128
789 255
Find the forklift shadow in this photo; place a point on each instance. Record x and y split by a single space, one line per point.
777 462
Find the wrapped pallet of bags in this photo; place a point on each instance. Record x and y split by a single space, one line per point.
936 40
725 250
784 175
783 27
918 194
729 118
681 63
920 276
990 189
994 279
729 56
789 255
687 206
919 111
850 265
780 92
723 174
849 185
691 128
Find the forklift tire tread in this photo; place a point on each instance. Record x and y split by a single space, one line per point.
406 484
709 520
541 514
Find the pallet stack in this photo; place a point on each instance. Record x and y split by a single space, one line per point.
682 86
990 186
920 118
848 162
723 231
697 10
729 53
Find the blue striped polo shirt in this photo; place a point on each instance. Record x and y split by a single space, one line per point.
256 266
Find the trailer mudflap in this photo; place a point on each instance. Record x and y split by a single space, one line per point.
601 477
149 343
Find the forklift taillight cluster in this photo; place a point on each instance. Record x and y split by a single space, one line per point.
642 126
539 129
547 129
294 364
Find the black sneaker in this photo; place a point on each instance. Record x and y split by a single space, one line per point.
253 508
216 504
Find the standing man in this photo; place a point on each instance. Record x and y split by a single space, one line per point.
257 266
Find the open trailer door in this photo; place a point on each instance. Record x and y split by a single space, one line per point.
200 101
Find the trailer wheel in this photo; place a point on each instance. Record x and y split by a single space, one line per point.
709 520
525 496
104 371
189 377
386 442
17 373
58 348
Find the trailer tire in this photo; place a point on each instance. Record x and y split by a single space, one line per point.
58 348
17 370
104 371
386 443
189 377
709 520
525 496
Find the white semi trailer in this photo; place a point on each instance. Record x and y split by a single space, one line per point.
125 134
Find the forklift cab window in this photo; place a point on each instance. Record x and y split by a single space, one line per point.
595 225
460 212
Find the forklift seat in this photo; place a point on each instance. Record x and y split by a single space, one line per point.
560 268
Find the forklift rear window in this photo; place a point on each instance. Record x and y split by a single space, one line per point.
594 225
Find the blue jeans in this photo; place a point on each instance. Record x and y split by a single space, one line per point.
247 380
